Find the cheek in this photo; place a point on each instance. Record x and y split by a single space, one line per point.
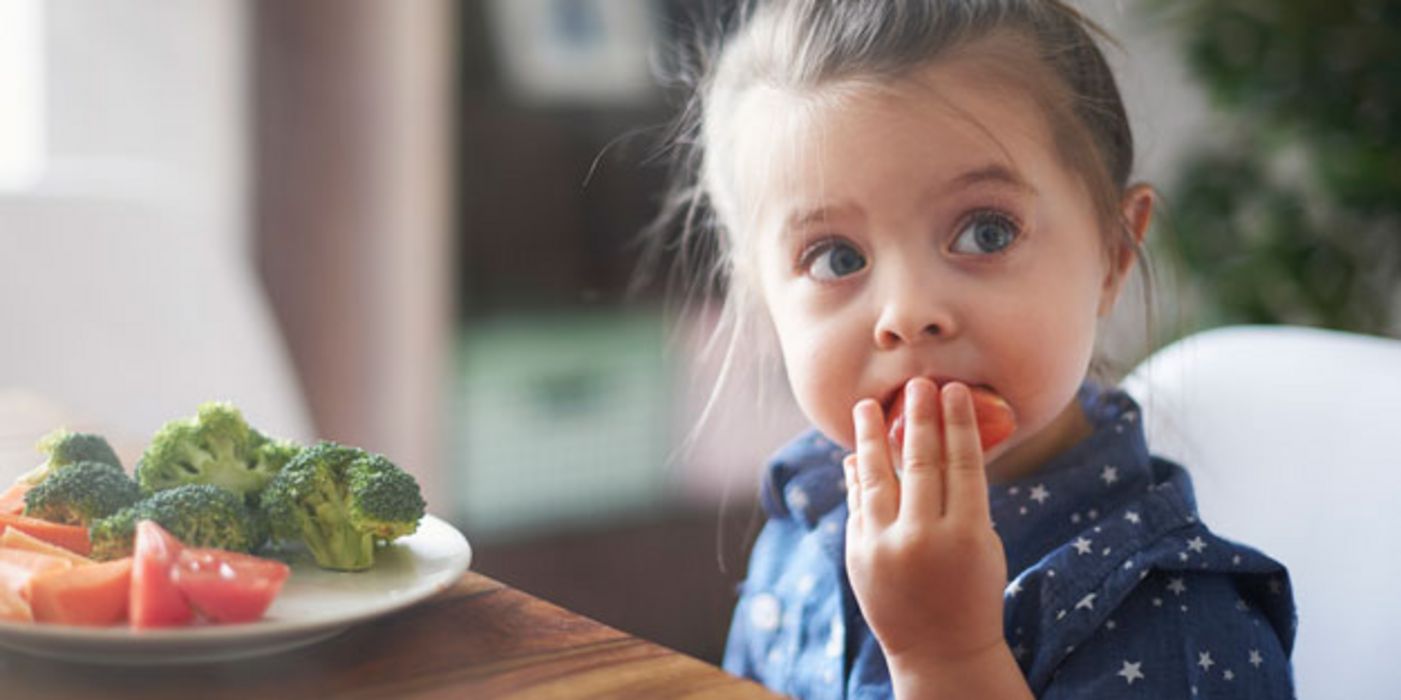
823 369
1048 359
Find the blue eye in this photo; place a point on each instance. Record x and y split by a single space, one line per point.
986 233
832 260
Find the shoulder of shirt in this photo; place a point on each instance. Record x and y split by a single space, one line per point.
1073 591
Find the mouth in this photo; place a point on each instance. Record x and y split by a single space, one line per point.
893 403
996 420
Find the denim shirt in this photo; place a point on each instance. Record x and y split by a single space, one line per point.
1116 588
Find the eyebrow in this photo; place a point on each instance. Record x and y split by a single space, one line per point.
804 217
995 173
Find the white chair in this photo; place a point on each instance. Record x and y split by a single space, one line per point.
1291 438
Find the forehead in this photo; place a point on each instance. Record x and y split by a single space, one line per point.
943 125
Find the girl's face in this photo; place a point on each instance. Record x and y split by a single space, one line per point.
896 238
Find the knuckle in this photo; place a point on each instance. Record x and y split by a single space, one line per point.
920 462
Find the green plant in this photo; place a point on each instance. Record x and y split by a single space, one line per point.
1293 213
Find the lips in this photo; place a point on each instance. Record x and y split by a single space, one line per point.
996 422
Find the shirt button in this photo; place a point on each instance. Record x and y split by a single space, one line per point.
764 612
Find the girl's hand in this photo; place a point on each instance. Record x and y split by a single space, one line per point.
926 566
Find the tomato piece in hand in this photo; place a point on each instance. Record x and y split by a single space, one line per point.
996 421
155 601
228 586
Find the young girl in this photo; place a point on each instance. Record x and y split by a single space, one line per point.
927 200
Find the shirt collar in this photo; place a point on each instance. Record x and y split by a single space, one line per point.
1110 467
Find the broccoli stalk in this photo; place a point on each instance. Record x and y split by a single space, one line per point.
215 447
63 447
340 502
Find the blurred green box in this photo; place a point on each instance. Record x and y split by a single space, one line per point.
557 421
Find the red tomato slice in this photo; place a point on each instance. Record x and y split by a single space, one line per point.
155 601
994 415
228 586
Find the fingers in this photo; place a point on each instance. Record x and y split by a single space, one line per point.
922 487
877 487
967 486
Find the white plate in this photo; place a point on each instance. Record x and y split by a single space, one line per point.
314 604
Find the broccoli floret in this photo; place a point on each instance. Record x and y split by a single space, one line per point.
215 447
340 502
63 447
199 515
81 493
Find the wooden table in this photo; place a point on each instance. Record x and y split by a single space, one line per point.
478 639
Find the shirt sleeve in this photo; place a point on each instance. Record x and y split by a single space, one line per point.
1178 635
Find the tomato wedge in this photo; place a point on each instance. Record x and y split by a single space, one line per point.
95 595
994 415
154 599
228 586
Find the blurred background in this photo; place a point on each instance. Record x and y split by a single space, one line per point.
412 226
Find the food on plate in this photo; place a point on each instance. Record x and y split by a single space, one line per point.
164 584
154 599
341 502
996 421
60 448
74 538
197 514
14 538
12 498
80 493
63 447
216 446
82 595
18 568
228 586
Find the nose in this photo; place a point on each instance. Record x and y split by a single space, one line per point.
912 313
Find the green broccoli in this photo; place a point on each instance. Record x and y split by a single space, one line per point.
81 493
215 447
199 515
63 447
340 502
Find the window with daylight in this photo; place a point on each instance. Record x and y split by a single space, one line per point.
22 93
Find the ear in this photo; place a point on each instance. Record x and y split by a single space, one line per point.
1136 211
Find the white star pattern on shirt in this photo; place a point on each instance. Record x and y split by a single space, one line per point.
1132 516
1088 602
1013 588
764 612
1081 545
1228 675
1204 660
797 499
1196 545
1131 671
1110 474
1255 658
1177 586
1039 493
837 640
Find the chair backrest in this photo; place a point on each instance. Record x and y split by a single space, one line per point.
1293 440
